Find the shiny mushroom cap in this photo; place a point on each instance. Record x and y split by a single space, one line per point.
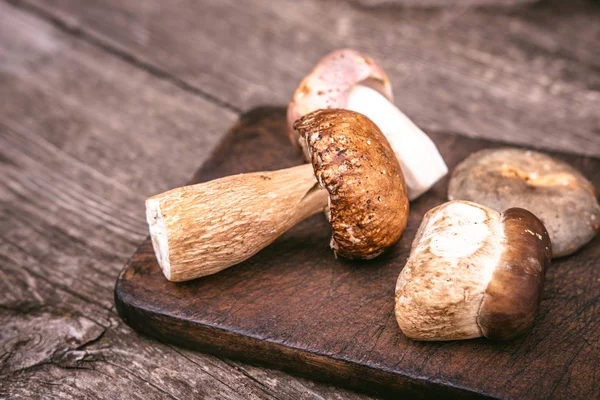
368 203
561 197
513 294
329 84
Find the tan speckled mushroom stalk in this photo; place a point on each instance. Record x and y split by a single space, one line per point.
561 197
473 272
202 229
350 80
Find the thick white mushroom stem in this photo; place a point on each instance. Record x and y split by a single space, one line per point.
202 229
421 163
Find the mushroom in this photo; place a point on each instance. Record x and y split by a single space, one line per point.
350 80
561 197
473 272
201 229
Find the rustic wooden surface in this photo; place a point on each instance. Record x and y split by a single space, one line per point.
105 103
295 307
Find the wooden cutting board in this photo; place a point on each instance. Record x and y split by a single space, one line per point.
293 306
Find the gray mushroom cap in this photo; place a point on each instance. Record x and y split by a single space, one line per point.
561 197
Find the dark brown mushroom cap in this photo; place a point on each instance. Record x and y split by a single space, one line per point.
329 84
367 194
512 297
562 198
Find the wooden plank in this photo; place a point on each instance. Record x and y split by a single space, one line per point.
440 3
81 130
527 74
293 306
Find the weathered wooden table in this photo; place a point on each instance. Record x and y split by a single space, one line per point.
103 103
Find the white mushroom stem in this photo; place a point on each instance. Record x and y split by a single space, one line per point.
201 229
451 236
420 160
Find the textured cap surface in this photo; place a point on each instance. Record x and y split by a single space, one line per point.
354 162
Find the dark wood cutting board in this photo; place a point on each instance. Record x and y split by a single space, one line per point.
294 307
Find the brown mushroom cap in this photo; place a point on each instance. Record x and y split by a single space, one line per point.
513 295
562 198
352 160
328 85
472 272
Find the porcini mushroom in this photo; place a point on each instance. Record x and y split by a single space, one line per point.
562 198
201 229
473 272
348 79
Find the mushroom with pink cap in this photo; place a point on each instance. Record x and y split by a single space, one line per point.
351 80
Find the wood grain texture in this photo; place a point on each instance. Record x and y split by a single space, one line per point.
440 3
81 130
527 74
295 307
